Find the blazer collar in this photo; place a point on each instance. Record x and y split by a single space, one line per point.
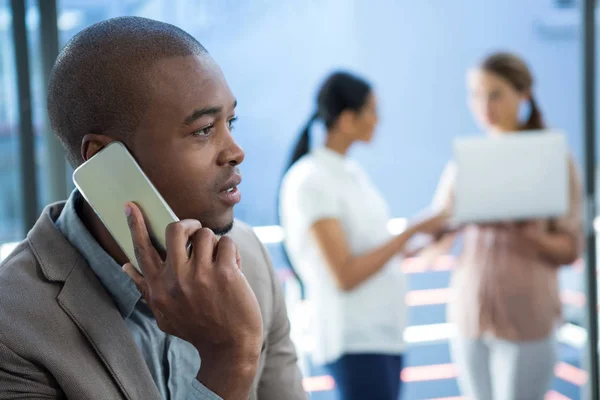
90 307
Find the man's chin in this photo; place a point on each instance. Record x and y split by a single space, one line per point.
219 223
223 229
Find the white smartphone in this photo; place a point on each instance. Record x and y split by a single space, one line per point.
112 178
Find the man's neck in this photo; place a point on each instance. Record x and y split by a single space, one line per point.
101 234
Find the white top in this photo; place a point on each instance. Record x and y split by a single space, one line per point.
371 317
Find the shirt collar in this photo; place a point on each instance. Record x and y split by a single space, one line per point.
120 287
330 157
336 162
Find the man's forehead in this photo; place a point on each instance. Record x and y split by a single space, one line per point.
179 72
183 81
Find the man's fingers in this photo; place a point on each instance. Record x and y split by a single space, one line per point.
178 235
203 252
145 253
227 252
137 279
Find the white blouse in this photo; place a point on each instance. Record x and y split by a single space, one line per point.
371 317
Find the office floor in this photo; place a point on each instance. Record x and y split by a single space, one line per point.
433 377
429 372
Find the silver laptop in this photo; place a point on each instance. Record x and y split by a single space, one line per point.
512 177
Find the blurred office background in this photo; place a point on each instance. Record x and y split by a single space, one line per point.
274 54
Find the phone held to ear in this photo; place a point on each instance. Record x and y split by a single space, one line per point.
112 178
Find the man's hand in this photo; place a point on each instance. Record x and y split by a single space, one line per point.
203 299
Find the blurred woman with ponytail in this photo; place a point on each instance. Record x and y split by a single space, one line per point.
335 224
506 301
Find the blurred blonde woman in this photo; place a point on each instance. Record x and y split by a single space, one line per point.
506 301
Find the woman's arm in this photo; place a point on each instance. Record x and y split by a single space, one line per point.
564 243
556 247
438 248
443 199
351 270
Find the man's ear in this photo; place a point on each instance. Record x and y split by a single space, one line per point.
92 143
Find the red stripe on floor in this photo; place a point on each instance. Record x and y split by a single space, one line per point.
429 297
554 395
564 371
570 373
429 373
318 383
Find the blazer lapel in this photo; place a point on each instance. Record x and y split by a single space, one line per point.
90 307
84 299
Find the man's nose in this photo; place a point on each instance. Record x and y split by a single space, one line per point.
232 153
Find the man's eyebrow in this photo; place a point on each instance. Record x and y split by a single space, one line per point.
199 113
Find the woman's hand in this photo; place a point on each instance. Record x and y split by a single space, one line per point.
558 248
432 237
534 232
434 224
506 226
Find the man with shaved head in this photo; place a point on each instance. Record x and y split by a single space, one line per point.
76 320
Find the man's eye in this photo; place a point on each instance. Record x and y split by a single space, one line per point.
203 132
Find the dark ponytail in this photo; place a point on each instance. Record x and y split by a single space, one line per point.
302 146
535 120
341 91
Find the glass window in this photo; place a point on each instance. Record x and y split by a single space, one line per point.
10 213
38 100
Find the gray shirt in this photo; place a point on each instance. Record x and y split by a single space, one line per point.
172 362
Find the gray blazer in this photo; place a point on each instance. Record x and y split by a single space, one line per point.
61 335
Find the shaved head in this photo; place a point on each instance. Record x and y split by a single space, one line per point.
100 81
